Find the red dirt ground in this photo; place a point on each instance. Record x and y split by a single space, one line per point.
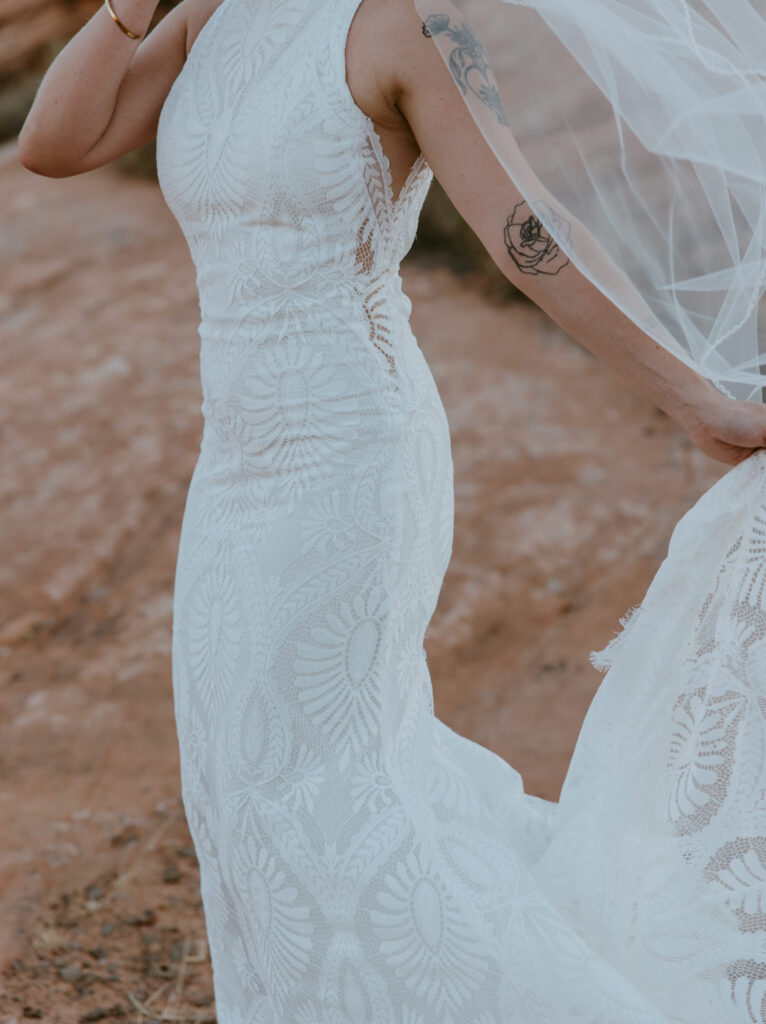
567 488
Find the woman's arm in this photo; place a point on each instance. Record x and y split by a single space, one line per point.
101 97
417 83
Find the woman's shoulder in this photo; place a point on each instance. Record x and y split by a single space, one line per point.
387 17
197 14
380 38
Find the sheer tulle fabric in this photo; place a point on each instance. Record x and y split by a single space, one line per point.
637 133
659 847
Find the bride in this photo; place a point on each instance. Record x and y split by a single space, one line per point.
360 862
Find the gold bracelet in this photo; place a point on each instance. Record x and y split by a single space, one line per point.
119 23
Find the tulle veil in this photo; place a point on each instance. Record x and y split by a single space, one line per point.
636 131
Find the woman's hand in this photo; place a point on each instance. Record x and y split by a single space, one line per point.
727 429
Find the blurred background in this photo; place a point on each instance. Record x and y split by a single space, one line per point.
567 489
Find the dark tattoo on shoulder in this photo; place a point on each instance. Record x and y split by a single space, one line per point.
468 61
529 244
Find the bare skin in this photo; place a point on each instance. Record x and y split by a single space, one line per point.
102 96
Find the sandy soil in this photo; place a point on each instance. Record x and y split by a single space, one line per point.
567 488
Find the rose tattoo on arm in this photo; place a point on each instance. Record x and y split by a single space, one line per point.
528 243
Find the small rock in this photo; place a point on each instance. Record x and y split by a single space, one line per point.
161 971
146 917
171 873
23 627
99 952
107 928
70 973
204 1000
31 1011
177 952
117 1010
186 851
94 892
128 835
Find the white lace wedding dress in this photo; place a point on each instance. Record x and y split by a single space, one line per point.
361 863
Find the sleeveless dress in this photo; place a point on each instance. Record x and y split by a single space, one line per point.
360 862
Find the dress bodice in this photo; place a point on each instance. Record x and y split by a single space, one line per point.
276 176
